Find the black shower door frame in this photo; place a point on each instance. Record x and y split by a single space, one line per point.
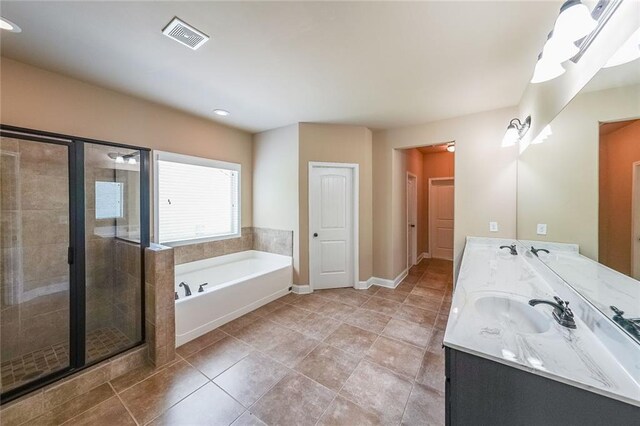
77 254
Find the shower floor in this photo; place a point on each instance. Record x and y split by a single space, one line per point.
18 371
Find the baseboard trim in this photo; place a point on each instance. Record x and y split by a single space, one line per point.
363 285
383 282
301 289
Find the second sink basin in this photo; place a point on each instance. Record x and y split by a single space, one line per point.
513 314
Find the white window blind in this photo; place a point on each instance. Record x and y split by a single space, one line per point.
196 201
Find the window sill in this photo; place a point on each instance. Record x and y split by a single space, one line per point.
200 240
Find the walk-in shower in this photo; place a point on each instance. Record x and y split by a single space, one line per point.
74 223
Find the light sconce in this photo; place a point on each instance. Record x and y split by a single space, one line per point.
516 131
121 159
629 51
451 147
7 25
573 24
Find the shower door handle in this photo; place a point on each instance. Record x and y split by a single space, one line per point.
70 255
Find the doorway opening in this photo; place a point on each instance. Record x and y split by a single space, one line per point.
429 202
619 197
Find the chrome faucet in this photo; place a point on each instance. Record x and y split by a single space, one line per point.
187 290
512 249
201 288
631 325
561 312
535 250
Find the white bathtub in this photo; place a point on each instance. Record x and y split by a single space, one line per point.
237 283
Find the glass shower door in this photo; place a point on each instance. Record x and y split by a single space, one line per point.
113 265
35 234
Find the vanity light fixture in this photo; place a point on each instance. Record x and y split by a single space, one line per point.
221 112
558 50
132 161
574 22
546 69
629 51
120 159
7 25
451 147
516 131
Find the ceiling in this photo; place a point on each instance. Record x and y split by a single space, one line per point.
377 64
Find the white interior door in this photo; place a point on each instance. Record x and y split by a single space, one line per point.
635 230
412 220
441 202
331 227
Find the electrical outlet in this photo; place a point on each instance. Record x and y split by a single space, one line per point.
493 226
541 229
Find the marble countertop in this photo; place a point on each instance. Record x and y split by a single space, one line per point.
601 285
575 357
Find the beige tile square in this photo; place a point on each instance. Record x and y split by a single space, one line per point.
351 339
316 326
369 320
337 310
423 302
400 357
311 400
250 378
75 406
290 349
248 419
262 334
416 315
408 332
216 358
343 412
379 390
288 314
151 397
425 407
328 366
109 412
199 343
432 371
392 294
383 306
209 405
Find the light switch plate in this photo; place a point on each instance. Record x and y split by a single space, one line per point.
541 229
493 226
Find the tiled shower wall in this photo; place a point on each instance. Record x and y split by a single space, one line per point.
34 210
262 239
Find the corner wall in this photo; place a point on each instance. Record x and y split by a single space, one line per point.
485 176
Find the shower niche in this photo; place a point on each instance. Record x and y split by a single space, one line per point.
74 224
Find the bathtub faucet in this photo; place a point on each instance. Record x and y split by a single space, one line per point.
187 290
201 289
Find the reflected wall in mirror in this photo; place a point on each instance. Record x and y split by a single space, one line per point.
582 184
619 213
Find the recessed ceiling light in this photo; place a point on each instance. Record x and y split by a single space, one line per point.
221 112
6 24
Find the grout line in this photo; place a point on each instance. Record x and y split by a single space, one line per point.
124 405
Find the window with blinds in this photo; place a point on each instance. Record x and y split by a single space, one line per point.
196 198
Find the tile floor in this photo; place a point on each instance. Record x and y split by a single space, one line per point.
334 357
18 371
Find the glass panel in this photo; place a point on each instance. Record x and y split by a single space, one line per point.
113 254
34 208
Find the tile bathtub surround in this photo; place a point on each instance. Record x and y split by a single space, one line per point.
251 369
160 304
261 239
273 241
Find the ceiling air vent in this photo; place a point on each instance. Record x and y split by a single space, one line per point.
185 34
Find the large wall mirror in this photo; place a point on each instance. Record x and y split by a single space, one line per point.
581 187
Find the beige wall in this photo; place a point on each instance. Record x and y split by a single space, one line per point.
343 144
42 100
485 183
558 179
275 184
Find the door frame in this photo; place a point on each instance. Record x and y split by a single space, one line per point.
430 189
635 223
355 260
414 235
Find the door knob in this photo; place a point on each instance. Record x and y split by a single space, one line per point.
413 226
315 234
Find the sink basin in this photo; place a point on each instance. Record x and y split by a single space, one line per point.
513 314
